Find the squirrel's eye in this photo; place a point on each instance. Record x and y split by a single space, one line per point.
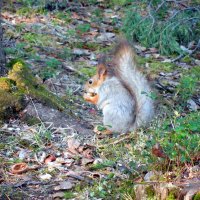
90 81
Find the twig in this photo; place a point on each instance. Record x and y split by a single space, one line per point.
159 6
25 183
127 137
182 55
153 20
80 178
69 68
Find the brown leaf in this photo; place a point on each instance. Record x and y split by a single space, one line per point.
49 158
73 144
19 168
153 50
158 151
80 149
88 153
75 16
86 161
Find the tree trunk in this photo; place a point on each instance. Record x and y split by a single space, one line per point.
2 53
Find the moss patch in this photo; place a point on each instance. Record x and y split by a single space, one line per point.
21 82
88 71
6 84
155 66
150 191
196 196
10 103
27 84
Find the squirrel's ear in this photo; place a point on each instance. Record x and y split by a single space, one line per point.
102 71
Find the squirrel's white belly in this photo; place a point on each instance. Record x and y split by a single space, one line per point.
119 116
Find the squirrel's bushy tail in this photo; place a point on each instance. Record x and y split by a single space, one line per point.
135 82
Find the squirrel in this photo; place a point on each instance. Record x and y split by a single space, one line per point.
121 92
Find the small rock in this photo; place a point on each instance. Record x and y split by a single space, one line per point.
98 160
156 55
147 55
167 60
197 62
195 168
65 185
192 105
105 37
162 74
23 154
81 52
45 177
185 49
151 175
140 48
58 195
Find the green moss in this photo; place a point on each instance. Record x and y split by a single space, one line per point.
155 66
2 146
27 84
69 195
196 196
195 72
150 191
9 192
32 120
88 71
38 39
164 67
9 104
89 45
171 196
6 84
186 59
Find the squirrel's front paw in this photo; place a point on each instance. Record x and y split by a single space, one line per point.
101 130
91 97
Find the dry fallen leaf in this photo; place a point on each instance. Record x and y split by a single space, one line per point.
49 158
19 168
73 143
158 151
88 153
85 161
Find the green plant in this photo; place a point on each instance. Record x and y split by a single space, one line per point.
152 24
42 137
83 28
70 33
110 187
69 195
20 27
179 137
66 53
187 87
51 68
18 50
30 3
65 16
120 2
37 39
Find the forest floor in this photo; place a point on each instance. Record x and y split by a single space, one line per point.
60 157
